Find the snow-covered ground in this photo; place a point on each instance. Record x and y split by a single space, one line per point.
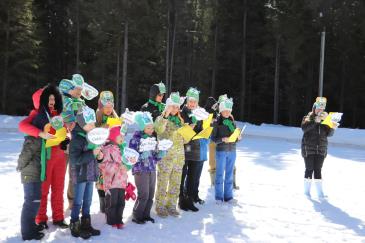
271 205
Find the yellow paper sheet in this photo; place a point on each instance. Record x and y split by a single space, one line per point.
328 120
187 132
60 136
207 122
233 138
112 122
205 134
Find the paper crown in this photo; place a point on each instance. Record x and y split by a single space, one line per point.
142 119
226 105
193 93
175 99
106 97
320 103
161 88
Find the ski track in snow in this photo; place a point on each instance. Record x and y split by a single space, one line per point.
271 206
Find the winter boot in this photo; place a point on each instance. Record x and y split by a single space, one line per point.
197 199
190 204
86 225
307 187
76 231
318 183
102 204
60 224
183 203
234 180
36 236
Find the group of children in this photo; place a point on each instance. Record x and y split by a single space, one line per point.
176 170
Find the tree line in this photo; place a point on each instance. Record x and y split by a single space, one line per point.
263 53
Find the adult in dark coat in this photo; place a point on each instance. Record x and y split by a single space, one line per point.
154 104
314 145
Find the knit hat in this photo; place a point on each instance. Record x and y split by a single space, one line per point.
193 94
106 97
175 99
226 105
320 103
114 132
142 119
85 115
157 89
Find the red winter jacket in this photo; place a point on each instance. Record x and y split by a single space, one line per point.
25 126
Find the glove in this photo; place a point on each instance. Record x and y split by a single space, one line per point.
64 143
129 192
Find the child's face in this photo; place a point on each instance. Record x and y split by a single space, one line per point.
119 139
226 114
159 97
88 127
76 92
51 102
108 109
192 104
174 109
149 129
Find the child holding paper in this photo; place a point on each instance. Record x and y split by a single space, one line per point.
84 173
170 167
105 110
195 155
314 145
55 167
224 127
115 177
144 170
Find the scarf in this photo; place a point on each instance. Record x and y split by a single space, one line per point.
229 123
176 120
159 105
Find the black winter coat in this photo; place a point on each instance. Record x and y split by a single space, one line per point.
84 166
220 131
315 135
151 109
193 148
29 161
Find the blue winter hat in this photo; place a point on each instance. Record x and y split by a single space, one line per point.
65 86
193 94
142 119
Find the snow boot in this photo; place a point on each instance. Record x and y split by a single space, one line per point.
183 203
60 224
190 204
36 236
318 183
76 231
307 187
86 225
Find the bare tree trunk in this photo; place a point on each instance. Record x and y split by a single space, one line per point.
118 75
167 51
214 72
243 64
77 35
125 64
276 81
6 61
172 50
342 90
308 96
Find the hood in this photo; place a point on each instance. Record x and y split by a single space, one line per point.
36 98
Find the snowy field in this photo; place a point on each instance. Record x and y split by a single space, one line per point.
271 208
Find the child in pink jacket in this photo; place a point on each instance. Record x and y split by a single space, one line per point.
115 177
